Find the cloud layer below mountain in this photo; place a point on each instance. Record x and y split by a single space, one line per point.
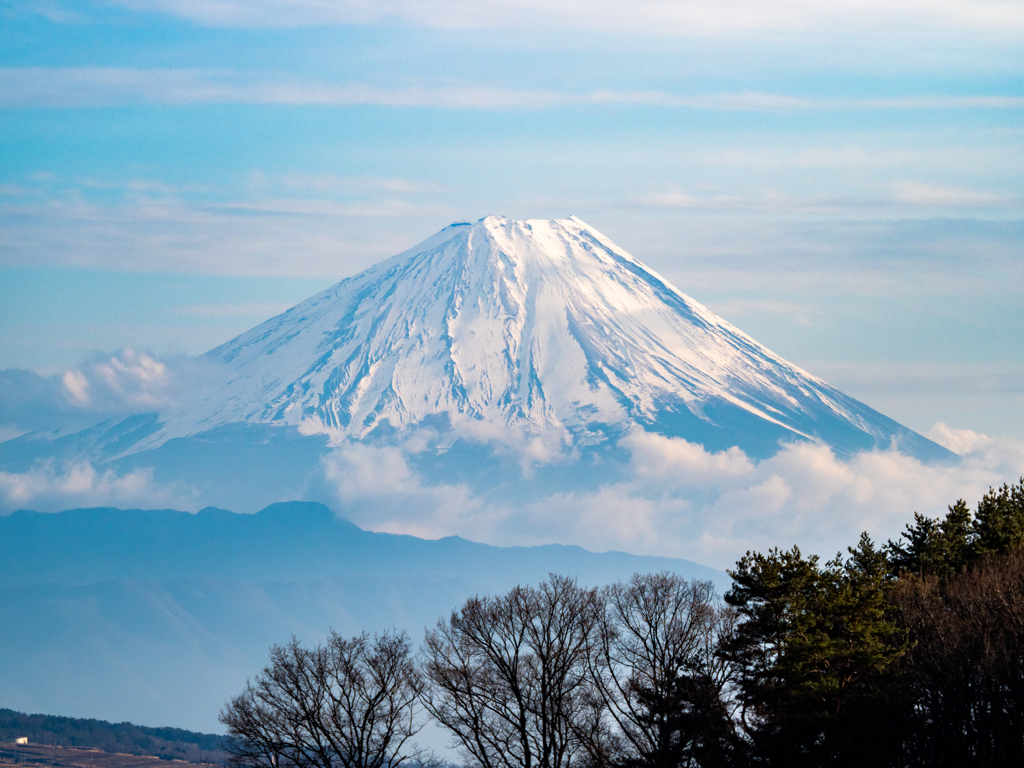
651 495
675 498
663 495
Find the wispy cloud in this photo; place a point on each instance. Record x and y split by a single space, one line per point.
256 236
680 17
751 101
71 87
325 182
141 185
801 313
232 310
924 378
51 10
854 155
103 86
900 199
917 193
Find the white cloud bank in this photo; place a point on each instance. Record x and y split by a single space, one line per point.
659 496
51 488
100 387
677 499
137 382
670 497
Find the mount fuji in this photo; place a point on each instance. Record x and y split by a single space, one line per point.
542 335
517 383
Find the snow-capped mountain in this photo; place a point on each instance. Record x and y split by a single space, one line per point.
500 381
536 327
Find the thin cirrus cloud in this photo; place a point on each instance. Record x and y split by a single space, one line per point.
800 313
64 87
268 237
318 236
916 193
71 87
981 380
686 17
329 182
905 197
233 310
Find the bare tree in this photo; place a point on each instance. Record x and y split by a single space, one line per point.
658 672
509 676
351 703
964 674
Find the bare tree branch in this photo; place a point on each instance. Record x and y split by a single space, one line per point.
508 676
351 703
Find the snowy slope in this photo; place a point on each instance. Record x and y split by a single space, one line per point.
538 327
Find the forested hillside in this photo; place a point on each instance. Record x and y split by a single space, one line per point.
167 743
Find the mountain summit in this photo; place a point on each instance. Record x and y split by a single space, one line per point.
539 326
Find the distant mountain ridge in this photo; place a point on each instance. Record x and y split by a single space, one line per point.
284 542
158 616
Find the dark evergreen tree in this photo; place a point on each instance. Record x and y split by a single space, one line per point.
944 547
998 524
694 717
815 653
867 711
934 547
772 651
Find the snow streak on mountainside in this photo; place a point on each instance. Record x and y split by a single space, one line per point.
541 327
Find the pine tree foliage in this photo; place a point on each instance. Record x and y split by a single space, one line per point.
814 651
944 547
998 524
934 547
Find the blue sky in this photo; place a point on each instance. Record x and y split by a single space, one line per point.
843 182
